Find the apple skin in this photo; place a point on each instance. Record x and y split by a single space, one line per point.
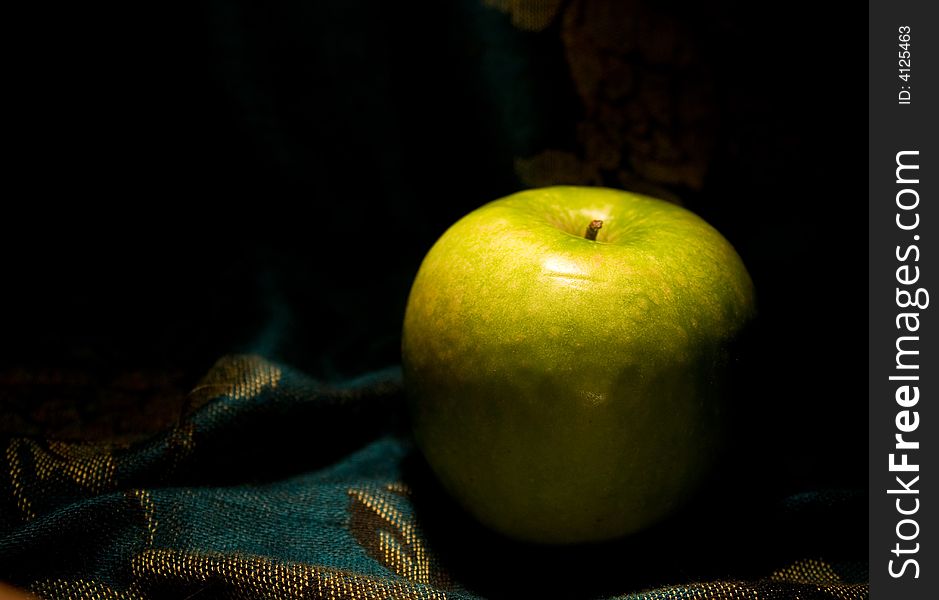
565 390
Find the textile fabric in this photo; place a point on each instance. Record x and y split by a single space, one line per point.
272 485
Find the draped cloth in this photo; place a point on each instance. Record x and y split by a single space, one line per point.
392 120
273 485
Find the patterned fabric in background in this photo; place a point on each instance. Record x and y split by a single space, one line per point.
649 108
272 485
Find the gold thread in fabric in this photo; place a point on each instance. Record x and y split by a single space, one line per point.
391 536
16 478
399 488
807 571
79 590
149 512
812 577
528 15
238 377
90 466
260 577
853 591
712 590
820 573
180 444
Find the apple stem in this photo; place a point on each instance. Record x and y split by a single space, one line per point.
592 229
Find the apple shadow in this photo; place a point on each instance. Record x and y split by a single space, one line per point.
697 544
726 533
743 523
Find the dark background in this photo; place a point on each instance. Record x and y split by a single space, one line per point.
237 176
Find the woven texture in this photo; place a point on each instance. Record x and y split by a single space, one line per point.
272 485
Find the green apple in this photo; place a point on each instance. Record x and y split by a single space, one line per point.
569 389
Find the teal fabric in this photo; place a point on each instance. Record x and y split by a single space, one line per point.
273 485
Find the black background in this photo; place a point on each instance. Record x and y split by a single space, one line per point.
219 177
